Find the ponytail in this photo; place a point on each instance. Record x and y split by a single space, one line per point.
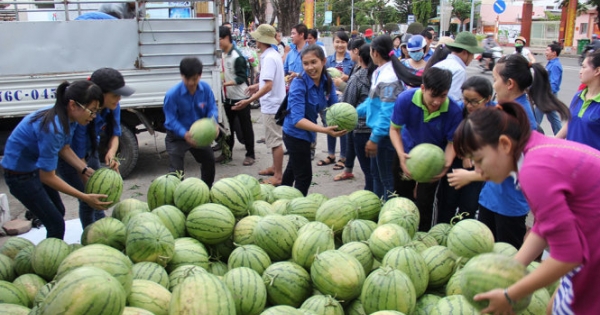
440 53
404 74
485 126
384 46
542 96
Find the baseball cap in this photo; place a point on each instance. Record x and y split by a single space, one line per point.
111 80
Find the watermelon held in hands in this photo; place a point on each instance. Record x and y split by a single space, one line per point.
425 162
342 115
105 181
204 132
334 72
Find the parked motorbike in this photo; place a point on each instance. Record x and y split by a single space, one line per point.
497 53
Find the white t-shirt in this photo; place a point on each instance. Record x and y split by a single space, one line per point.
271 69
459 75
525 53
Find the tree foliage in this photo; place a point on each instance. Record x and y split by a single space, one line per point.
422 9
462 10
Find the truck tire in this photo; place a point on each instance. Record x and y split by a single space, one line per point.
128 151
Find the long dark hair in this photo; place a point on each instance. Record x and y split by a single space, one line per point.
83 92
485 126
384 46
440 53
517 68
318 51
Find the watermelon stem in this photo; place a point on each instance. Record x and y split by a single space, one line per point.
455 219
272 280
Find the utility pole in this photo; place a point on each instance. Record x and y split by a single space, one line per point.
352 17
472 17
526 20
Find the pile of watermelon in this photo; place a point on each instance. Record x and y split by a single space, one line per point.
247 248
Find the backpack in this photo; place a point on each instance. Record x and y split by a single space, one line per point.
283 111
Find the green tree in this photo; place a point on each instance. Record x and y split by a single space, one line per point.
462 10
422 9
404 8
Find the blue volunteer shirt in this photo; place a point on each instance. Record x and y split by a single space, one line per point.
293 60
182 109
306 100
420 126
347 63
505 198
29 147
584 126
82 144
555 71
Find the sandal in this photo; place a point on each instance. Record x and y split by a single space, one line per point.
340 165
343 176
328 160
248 161
270 181
266 172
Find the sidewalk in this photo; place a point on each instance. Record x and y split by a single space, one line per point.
540 51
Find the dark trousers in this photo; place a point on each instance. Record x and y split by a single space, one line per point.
449 199
359 140
506 229
299 169
245 121
41 200
177 147
87 214
425 195
381 168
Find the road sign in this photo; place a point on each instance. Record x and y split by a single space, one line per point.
411 19
499 6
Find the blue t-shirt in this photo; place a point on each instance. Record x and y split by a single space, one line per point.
31 147
347 64
306 100
420 126
505 198
81 143
293 60
182 109
584 126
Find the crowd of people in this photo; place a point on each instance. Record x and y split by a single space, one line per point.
406 92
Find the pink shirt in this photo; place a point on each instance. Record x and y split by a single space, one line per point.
561 181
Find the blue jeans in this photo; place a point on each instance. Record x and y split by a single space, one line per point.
43 201
87 214
359 142
299 169
381 168
552 116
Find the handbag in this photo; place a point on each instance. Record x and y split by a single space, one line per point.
283 111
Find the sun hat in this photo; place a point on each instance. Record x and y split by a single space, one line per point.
416 43
444 40
111 80
368 32
466 41
265 33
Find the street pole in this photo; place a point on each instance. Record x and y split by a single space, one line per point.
352 17
472 16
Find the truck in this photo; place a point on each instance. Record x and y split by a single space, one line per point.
36 56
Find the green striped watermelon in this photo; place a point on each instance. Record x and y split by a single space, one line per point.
135 219
188 251
343 115
162 190
386 237
101 256
222 250
12 294
248 289
285 192
539 301
152 271
411 263
426 161
337 212
30 284
368 204
362 253
150 296
287 284
419 246
79 291
7 268
150 241
298 220
108 231
276 235
303 206
13 246
454 305
232 194
105 181
23 261
176 276
250 256
260 208
282 310
204 131
210 223
42 294
217 268
426 238
14 309
136 311
47 256
280 206
242 232
469 238
440 262
211 295
321 304
505 249
388 289
252 183
310 243
318 197
338 274
401 211
127 206
172 218
490 271
425 304
265 192
355 308
453 285
388 313
440 232
190 193
358 230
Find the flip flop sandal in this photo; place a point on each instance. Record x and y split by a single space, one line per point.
266 172
343 176
328 160
340 165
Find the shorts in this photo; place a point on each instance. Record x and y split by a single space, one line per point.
273 131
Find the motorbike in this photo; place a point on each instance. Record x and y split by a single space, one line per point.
497 53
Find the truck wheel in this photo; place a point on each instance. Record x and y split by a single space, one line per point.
128 151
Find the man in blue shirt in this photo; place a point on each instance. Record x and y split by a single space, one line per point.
555 71
292 66
186 102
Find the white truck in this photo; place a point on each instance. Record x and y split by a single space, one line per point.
36 56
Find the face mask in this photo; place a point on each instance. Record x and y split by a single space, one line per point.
519 48
416 56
